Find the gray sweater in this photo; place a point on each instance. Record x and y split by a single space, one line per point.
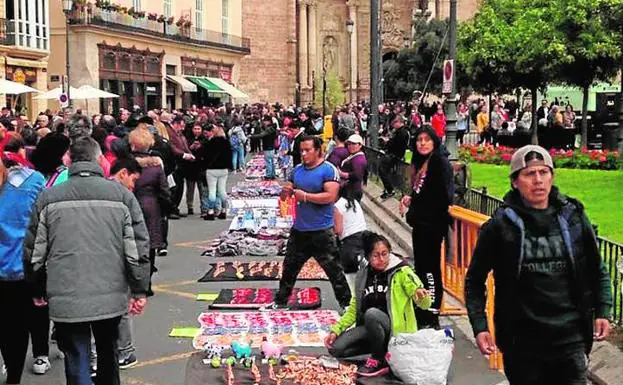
88 245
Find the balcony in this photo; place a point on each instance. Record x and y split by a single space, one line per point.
7 36
187 35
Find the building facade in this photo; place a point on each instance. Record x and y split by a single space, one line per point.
153 54
295 42
24 50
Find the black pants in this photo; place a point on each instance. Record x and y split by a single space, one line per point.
386 172
562 366
322 246
165 231
370 338
351 248
15 304
39 325
178 190
427 260
256 145
74 340
459 136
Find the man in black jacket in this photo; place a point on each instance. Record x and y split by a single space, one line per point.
268 137
552 290
395 149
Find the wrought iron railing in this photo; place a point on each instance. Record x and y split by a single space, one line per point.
191 34
480 201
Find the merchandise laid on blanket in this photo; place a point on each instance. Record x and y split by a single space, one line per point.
226 340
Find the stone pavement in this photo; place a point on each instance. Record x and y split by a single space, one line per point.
168 361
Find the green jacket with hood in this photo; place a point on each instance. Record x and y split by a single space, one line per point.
403 282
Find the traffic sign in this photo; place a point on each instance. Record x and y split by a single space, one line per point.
448 75
64 100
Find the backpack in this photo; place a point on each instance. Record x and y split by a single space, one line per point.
234 140
50 182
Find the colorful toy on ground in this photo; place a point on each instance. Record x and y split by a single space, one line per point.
270 350
215 362
212 351
241 349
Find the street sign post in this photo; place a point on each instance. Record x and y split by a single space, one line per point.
448 76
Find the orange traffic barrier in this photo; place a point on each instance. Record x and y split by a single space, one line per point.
456 256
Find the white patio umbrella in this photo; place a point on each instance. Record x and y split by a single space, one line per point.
8 87
56 92
91 92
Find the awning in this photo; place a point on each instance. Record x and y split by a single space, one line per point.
231 90
185 84
205 83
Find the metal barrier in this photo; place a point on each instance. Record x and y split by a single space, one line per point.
455 261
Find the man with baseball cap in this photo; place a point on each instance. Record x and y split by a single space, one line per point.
354 169
552 291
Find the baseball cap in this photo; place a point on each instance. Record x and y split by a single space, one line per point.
355 139
518 161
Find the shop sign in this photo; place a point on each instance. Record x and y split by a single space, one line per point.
21 75
225 74
150 89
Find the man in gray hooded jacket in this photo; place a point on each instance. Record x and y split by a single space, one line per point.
87 252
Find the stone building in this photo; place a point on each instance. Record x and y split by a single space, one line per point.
153 53
295 41
24 50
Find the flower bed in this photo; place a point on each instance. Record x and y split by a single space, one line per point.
579 159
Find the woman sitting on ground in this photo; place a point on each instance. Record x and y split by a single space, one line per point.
382 306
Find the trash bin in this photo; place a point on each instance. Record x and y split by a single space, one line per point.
610 136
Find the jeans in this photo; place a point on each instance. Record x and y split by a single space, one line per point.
217 193
322 246
561 366
237 157
202 186
370 338
124 341
269 158
15 303
386 171
427 260
74 340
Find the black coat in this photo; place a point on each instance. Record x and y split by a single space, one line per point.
217 154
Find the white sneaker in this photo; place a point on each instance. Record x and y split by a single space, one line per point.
41 365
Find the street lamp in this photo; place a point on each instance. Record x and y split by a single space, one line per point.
350 26
325 66
68 6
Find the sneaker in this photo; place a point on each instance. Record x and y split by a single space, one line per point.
387 195
209 216
273 306
163 252
191 212
41 365
222 215
129 362
174 216
373 368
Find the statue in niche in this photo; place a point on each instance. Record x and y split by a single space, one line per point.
329 53
392 37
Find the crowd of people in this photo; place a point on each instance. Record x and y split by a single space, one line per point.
85 204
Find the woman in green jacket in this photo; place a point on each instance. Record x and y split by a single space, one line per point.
382 306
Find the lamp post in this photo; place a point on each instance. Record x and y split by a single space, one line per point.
67 8
324 80
451 131
350 26
375 59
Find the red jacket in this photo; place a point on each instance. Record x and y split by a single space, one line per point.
439 124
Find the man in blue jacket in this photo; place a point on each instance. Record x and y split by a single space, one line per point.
552 290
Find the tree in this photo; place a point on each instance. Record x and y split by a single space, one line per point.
411 69
335 95
593 44
515 43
